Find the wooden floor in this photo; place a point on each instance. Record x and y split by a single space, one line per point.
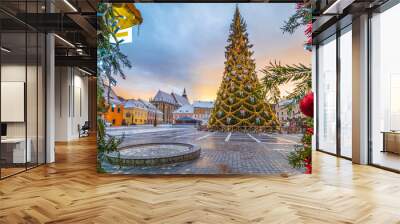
387 159
70 191
5 172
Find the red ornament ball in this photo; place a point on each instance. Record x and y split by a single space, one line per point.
307 105
308 166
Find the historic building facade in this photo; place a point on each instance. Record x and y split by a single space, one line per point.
154 116
202 110
114 114
168 103
185 111
289 116
132 111
135 112
284 114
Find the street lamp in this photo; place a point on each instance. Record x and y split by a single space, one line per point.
155 119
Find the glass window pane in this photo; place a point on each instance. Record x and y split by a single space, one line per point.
23 84
31 97
41 99
385 84
13 85
327 95
346 93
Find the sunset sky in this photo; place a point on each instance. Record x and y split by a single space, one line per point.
182 46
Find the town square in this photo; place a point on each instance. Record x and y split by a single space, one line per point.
221 152
231 115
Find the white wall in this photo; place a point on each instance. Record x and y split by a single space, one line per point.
61 103
80 110
15 72
11 73
71 102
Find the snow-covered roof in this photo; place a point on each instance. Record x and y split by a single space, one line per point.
121 99
203 104
186 109
114 99
164 97
285 103
180 99
132 103
150 106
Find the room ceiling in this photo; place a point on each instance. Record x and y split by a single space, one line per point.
74 22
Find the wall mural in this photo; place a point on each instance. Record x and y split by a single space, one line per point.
204 89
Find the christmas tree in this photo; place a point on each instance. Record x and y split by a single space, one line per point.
239 105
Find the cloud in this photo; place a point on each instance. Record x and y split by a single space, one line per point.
182 45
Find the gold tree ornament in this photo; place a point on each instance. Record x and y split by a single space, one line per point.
238 105
129 15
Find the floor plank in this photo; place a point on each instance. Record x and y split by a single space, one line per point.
70 191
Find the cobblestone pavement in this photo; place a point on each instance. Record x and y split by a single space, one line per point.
221 153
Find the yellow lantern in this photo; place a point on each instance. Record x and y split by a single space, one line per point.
130 15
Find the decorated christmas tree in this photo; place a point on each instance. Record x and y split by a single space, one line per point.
239 105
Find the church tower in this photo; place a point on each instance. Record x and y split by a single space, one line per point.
184 93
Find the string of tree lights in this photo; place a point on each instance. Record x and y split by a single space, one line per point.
240 104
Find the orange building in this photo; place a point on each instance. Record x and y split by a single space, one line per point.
114 115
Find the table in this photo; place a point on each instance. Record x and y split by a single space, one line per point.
13 150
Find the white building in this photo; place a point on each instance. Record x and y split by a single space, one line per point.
284 114
202 110
183 111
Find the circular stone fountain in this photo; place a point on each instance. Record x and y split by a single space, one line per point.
154 154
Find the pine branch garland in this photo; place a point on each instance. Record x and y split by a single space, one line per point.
276 75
